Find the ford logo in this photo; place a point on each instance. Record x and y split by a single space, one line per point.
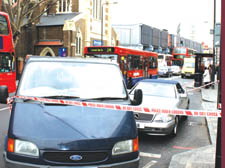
76 157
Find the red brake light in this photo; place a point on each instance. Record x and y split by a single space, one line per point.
11 143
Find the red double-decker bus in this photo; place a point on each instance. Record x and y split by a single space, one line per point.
7 57
134 64
179 53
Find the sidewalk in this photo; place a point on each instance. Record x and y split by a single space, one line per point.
202 157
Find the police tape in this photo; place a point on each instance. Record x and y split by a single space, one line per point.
211 83
138 109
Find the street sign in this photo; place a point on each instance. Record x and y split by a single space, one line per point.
98 43
62 52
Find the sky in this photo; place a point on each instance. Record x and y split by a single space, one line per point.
195 16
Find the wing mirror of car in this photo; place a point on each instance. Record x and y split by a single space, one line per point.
3 94
137 97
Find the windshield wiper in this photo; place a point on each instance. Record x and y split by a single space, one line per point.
25 100
61 97
105 98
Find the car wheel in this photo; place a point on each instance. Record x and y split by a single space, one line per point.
174 132
185 117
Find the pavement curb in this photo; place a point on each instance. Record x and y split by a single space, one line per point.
195 158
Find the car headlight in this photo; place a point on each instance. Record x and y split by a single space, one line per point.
26 148
125 147
163 118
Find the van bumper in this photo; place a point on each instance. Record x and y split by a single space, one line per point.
13 164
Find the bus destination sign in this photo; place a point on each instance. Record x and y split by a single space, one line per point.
101 49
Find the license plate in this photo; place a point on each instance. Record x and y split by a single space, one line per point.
140 125
188 74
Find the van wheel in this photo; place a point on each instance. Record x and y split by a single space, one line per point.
182 76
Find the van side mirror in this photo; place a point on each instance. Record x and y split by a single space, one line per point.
3 94
137 97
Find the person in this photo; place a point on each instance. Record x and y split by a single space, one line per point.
206 78
211 75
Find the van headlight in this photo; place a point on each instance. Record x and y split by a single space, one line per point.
127 146
163 118
26 148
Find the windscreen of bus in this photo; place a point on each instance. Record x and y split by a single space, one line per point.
4 29
179 50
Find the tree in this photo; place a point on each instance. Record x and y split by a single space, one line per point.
24 13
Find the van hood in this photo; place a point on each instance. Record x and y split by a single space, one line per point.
63 127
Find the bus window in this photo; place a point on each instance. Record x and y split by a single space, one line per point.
152 62
5 63
130 63
3 25
137 62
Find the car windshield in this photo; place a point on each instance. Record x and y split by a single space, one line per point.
175 67
83 80
163 68
156 89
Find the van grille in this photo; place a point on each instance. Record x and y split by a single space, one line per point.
65 157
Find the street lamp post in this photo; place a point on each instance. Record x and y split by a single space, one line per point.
102 19
214 56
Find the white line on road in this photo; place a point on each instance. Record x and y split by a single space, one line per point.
150 164
150 155
4 109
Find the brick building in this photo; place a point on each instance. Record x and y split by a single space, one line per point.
72 24
66 28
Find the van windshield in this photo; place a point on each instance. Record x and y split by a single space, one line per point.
83 80
189 65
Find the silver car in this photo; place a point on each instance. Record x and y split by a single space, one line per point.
158 93
175 69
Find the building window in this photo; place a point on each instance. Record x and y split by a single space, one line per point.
97 9
64 6
78 42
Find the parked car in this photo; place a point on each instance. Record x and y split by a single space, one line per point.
158 93
175 69
164 71
48 134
